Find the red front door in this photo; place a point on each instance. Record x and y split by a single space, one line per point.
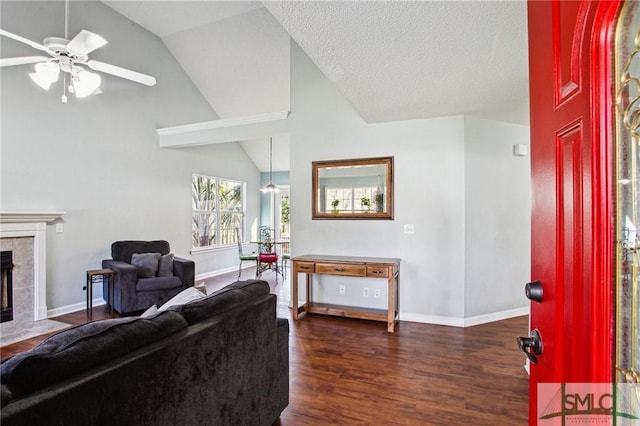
570 96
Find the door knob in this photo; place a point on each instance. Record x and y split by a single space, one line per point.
531 346
533 291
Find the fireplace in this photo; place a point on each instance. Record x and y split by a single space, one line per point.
25 233
6 291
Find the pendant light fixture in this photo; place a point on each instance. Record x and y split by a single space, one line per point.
270 187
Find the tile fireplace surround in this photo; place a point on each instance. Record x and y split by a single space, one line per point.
25 233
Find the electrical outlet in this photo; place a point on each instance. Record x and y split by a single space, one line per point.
366 292
376 293
343 289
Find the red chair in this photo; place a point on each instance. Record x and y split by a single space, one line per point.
267 255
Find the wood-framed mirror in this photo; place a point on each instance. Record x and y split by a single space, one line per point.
360 188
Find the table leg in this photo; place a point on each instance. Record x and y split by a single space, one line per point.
308 291
391 310
294 291
111 295
89 298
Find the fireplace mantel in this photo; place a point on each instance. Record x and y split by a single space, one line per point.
29 217
32 224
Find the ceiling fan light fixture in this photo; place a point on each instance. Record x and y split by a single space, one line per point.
85 83
41 80
46 73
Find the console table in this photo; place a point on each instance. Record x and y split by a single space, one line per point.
372 267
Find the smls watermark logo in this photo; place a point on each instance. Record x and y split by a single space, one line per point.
588 404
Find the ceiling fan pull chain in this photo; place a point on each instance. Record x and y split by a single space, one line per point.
64 89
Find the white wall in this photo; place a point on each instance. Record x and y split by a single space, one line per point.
98 159
432 184
259 81
498 218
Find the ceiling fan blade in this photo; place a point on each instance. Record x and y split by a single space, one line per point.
7 62
22 40
86 42
122 72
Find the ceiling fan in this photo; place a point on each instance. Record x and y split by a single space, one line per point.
68 56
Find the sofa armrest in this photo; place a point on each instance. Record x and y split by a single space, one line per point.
126 270
184 269
124 283
281 388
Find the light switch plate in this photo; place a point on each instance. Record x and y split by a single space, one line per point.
408 228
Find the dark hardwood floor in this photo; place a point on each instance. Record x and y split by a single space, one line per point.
352 372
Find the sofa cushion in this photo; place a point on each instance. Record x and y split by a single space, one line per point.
80 348
146 264
165 266
157 283
222 300
123 250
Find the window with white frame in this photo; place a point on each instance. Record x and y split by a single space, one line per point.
218 208
349 199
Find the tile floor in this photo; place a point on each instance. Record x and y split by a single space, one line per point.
14 331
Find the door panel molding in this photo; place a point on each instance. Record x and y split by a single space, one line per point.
569 275
568 43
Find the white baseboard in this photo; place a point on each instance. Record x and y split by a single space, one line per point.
220 272
464 322
73 308
432 319
496 316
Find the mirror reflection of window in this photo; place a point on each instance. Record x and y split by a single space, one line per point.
358 188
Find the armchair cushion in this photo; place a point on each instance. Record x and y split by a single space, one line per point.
165 266
157 283
146 264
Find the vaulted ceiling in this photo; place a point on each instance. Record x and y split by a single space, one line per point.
393 60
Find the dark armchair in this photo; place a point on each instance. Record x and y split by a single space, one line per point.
144 283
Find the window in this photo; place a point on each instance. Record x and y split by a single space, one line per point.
218 209
350 199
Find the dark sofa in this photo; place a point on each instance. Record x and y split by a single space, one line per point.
220 360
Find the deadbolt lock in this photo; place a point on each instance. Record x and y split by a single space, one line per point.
533 291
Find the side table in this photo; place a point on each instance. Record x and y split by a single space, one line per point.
92 278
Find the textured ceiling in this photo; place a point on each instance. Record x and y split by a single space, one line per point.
393 60
406 60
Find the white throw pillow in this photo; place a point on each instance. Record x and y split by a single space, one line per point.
185 296
150 312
